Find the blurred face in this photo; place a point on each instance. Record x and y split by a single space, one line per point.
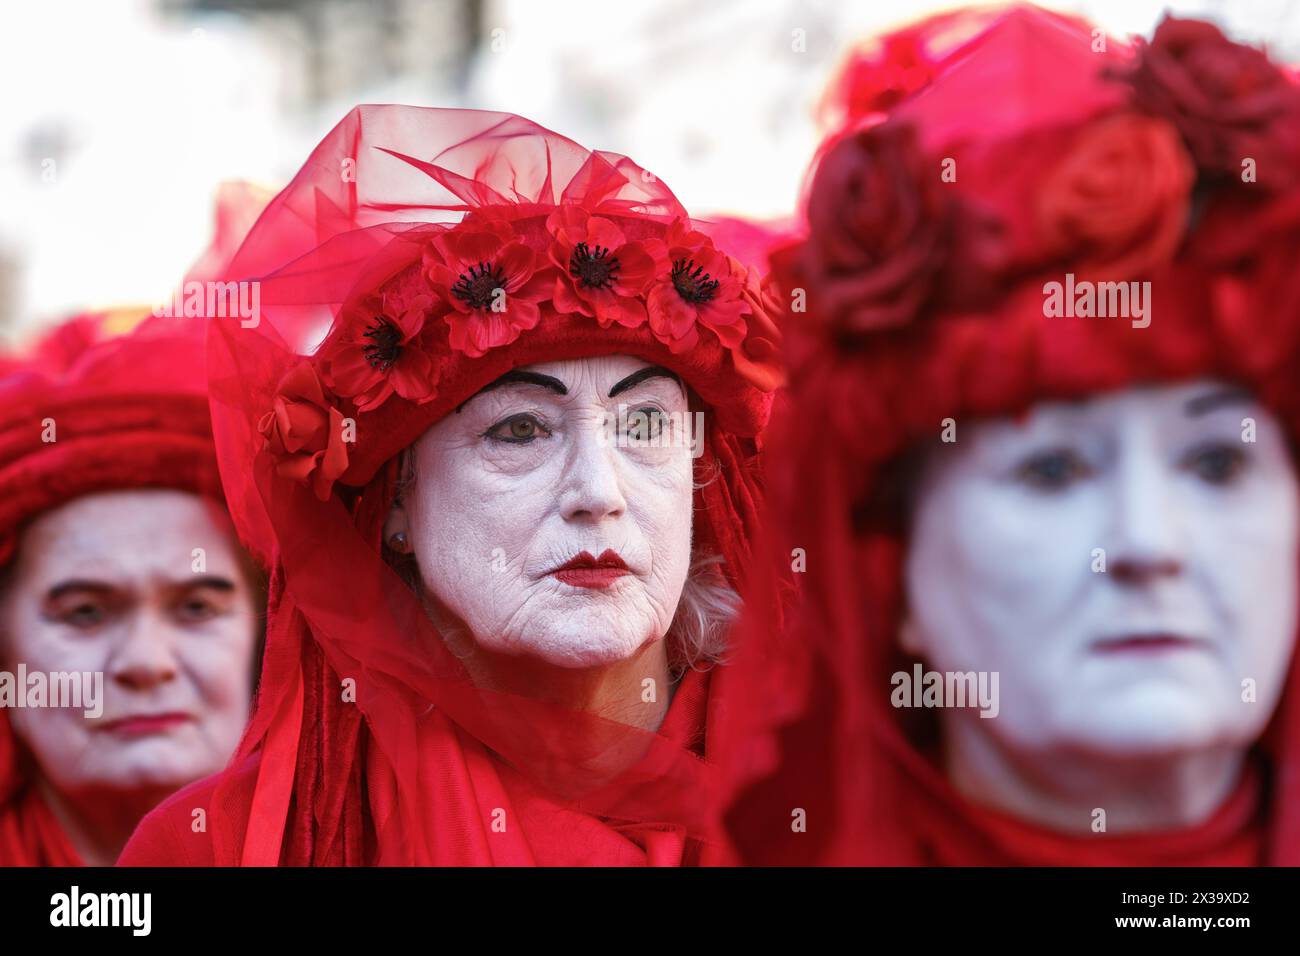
1199 531
546 531
109 583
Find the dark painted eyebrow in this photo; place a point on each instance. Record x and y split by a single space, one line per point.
209 581
78 584
1204 404
641 375
521 377
103 587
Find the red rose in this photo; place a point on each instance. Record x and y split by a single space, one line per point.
1227 99
877 220
304 431
1117 205
702 286
492 282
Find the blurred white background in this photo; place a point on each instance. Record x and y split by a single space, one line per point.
120 117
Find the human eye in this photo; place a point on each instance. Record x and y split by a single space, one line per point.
1052 470
646 423
519 429
1216 463
196 608
82 612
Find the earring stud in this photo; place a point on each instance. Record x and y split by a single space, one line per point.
398 541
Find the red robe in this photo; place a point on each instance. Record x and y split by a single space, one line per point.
29 833
472 791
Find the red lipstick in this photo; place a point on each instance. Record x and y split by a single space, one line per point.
141 725
584 571
1147 644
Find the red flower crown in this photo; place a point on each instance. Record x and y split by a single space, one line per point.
1152 144
479 285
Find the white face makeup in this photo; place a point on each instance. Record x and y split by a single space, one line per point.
525 477
1199 593
106 584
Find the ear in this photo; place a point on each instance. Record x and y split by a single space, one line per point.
909 635
397 528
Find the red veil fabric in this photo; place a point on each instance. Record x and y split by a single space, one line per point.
924 302
425 768
90 411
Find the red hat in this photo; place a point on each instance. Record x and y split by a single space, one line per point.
1035 148
92 411
379 267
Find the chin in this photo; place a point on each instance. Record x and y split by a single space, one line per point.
1157 723
577 645
167 765
128 778
581 637
579 651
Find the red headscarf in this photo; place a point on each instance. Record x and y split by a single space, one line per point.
89 411
369 266
1069 151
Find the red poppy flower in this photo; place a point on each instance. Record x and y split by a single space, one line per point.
702 287
600 273
379 351
304 431
491 282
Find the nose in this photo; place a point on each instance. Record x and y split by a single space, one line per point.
144 656
1147 542
591 490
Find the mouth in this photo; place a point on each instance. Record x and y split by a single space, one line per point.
584 571
143 725
1148 643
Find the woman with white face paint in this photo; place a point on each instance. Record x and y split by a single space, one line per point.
1049 609
129 615
498 424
